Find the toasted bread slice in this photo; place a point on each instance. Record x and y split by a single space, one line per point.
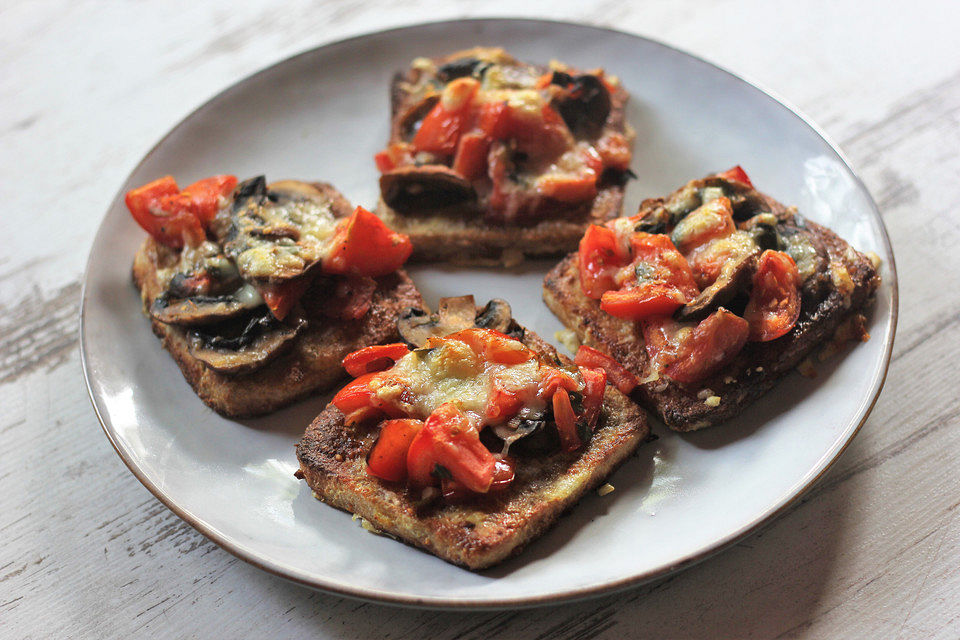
461 232
309 362
484 531
832 301
459 236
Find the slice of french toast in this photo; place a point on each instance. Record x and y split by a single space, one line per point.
502 213
838 283
484 529
239 372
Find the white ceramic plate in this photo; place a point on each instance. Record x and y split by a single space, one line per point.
322 115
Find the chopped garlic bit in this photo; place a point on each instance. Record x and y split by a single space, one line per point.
874 259
729 380
704 394
607 488
712 401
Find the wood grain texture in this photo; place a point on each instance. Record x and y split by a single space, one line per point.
86 87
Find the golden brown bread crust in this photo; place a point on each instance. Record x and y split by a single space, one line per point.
474 534
459 234
451 235
755 370
311 366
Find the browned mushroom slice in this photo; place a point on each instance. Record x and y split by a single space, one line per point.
195 310
275 232
414 114
735 276
453 314
261 339
431 186
497 315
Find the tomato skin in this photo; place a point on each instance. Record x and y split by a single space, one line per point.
364 246
594 384
658 259
566 421
490 345
644 301
712 344
450 440
503 403
281 298
619 376
168 226
774 305
203 197
503 475
600 258
471 158
552 380
569 189
495 120
388 457
355 395
374 358
736 174
441 128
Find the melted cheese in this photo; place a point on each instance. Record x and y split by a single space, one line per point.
281 240
422 380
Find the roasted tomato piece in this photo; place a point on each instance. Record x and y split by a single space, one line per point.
398 154
364 246
356 395
656 260
375 358
471 158
614 149
503 404
643 301
619 376
281 297
503 475
689 356
152 206
552 379
774 305
711 220
202 198
600 259
441 128
737 174
490 345
495 120
594 384
568 188
388 456
566 420
449 444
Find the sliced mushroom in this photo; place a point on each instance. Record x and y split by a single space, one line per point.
409 122
416 326
584 103
196 310
497 315
735 276
432 186
261 339
284 191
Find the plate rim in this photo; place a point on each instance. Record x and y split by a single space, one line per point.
291 574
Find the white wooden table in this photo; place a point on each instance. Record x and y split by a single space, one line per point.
85 551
